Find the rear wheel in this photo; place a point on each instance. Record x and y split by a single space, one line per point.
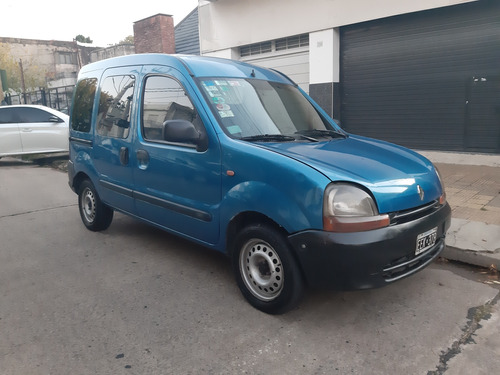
265 270
95 215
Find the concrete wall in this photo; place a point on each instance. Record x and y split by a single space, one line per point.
58 61
43 57
112 51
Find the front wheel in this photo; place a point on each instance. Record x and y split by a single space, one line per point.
95 215
265 270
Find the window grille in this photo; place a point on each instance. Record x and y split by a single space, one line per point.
256 49
292 42
277 45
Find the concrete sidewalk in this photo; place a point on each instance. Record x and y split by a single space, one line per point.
472 184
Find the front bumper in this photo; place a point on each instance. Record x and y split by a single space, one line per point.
371 259
71 175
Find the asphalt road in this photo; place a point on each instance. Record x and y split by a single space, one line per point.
136 300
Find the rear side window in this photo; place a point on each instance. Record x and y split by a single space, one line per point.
83 105
115 102
29 115
165 99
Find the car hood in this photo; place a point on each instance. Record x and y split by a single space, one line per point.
390 172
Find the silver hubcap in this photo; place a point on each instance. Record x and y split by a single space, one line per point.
88 205
261 269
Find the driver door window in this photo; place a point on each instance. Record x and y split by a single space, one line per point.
165 99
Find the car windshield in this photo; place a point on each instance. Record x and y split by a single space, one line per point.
255 109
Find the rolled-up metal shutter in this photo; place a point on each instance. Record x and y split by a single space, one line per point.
426 80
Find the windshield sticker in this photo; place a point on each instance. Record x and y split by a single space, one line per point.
235 129
234 83
218 100
212 89
223 107
224 114
221 83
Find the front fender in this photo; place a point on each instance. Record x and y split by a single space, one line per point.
282 207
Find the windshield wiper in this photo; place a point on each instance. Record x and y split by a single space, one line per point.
321 133
269 138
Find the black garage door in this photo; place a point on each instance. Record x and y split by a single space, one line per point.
426 80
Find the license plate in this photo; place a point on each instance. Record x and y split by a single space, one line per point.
426 240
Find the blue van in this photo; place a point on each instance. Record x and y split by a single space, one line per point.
239 159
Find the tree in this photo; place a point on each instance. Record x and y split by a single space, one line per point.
34 76
80 38
128 40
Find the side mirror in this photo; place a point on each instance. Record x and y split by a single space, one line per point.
123 124
182 131
54 119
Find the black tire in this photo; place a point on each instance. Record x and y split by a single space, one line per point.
265 269
95 215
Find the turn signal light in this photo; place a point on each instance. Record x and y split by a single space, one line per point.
355 224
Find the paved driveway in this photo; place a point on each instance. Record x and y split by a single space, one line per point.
136 300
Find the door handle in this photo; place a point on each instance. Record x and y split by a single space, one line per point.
124 155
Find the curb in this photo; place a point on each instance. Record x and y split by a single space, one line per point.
473 258
473 242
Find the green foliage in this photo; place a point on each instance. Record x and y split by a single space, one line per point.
128 40
82 39
34 76
10 66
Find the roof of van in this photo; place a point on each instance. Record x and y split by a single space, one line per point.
196 66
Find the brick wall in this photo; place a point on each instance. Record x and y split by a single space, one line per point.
155 34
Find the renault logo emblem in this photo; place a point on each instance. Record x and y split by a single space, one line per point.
420 192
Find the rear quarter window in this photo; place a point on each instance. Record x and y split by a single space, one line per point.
83 105
115 103
8 115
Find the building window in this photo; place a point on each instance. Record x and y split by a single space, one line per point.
256 49
292 42
275 45
65 58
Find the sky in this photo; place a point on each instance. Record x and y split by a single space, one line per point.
105 22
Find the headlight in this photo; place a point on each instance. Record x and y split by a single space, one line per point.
347 208
442 198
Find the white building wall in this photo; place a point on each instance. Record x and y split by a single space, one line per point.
324 56
227 24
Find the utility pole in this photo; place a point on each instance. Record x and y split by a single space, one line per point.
22 80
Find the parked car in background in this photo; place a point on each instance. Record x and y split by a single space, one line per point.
32 129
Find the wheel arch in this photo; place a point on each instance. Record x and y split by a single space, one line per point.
78 179
244 219
247 218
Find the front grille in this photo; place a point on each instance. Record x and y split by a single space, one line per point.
406 216
408 265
